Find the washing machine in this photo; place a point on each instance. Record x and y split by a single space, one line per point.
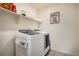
29 43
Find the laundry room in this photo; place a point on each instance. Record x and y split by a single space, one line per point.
39 29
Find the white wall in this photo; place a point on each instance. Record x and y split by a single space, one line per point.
27 24
7 43
77 31
30 12
7 34
63 36
78 18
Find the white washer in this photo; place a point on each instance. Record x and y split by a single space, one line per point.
29 44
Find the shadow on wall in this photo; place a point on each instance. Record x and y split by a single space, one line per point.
75 48
8 49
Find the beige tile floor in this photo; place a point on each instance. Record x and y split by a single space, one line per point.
56 53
